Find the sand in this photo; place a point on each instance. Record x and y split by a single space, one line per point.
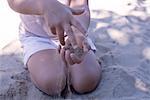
123 48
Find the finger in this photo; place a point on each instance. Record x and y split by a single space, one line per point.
67 43
86 46
80 38
62 54
78 25
59 48
85 2
68 58
75 59
60 34
68 2
78 11
70 35
53 30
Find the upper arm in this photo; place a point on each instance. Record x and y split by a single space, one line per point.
15 4
25 6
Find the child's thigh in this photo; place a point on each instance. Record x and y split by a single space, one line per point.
47 70
86 75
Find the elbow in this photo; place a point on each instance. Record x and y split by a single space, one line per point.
15 5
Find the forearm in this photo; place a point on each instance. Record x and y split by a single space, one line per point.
32 7
74 3
26 6
84 18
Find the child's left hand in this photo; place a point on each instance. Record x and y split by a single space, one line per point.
75 56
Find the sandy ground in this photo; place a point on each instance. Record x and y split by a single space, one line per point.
120 30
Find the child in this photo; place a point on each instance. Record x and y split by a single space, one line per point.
42 29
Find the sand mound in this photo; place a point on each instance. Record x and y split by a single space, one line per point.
123 48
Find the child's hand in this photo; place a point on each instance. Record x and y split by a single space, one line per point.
59 19
78 55
69 54
75 56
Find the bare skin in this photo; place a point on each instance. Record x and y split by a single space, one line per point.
85 75
48 67
48 71
59 17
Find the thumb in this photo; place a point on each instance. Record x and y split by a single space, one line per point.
77 11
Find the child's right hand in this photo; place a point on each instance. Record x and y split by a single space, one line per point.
59 19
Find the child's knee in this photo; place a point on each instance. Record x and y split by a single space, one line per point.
85 85
52 85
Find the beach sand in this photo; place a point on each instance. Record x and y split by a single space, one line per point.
122 39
